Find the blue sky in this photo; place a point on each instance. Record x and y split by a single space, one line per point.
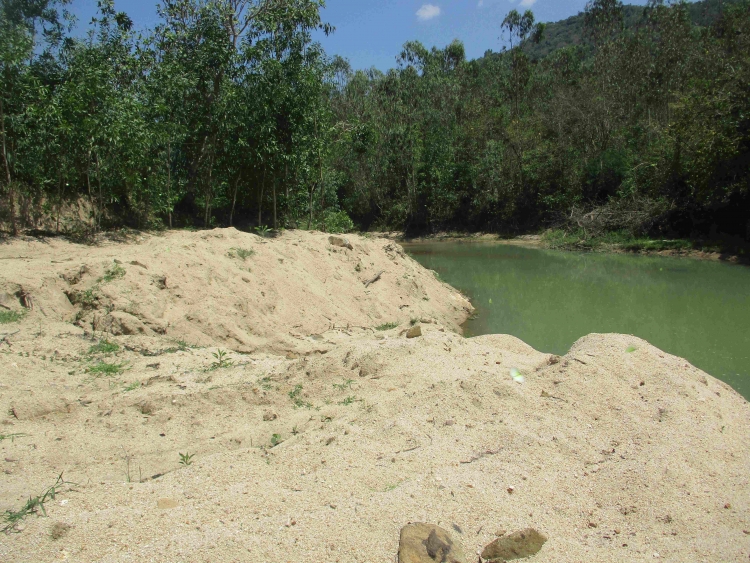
372 32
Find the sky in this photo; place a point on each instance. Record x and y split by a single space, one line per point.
370 33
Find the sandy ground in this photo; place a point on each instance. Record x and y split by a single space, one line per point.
320 436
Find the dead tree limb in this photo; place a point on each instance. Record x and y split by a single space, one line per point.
373 280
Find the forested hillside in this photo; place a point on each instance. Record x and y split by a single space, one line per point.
228 113
572 31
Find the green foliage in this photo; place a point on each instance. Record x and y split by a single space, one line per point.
386 326
7 317
296 396
104 369
222 361
186 459
241 253
230 111
276 440
104 347
12 437
35 505
346 384
112 273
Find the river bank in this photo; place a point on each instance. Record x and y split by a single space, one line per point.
218 396
615 243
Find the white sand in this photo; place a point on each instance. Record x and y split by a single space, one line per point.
614 455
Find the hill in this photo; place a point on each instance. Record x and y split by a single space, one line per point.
570 31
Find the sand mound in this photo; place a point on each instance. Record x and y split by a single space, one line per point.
226 288
616 451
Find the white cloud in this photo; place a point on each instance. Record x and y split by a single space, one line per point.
429 11
527 3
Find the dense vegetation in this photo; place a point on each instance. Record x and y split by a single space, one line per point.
228 113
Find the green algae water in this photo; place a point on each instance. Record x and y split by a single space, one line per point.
695 309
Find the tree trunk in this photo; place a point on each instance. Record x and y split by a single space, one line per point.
59 199
169 183
101 196
309 218
8 179
234 199
88 186
260 198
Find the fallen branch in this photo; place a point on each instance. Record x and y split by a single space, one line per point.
373 280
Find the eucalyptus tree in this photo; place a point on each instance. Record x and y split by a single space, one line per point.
21 24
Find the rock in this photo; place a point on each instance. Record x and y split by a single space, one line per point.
166 503
427 543
414 332
340 241
517 545
268 416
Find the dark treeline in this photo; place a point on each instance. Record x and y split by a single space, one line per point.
228 113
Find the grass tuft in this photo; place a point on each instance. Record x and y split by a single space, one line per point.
7 317
116 271
386 326
35 505
242 253
103 369
104 347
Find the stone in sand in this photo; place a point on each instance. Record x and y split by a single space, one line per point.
517 545
414 332
340 241
427 543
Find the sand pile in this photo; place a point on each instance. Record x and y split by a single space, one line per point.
616 451
225 287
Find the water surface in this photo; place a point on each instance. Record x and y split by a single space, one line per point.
695 309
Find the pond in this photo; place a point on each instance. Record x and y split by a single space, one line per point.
694 309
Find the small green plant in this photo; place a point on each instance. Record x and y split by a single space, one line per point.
295 430
631 349
242 253
103 369
116 271
186 459
349 401
89 298
386 326
263 230
345 385
35 505
132 387
276 440
7 317
265 383
12 437
295 396
104 347
222 361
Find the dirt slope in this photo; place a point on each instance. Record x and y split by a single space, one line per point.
321 444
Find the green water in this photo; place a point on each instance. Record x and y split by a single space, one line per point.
694 309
